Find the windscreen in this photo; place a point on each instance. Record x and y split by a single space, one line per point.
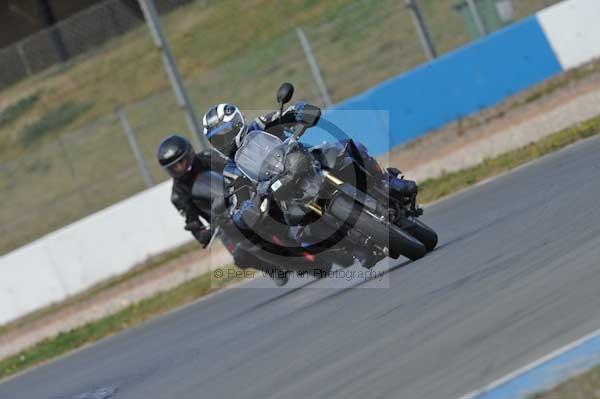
261 156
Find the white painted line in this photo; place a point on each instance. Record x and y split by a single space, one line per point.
531 366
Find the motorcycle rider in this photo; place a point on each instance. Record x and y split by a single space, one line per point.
225 128
177 157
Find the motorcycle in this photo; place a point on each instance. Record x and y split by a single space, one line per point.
210 191
327 196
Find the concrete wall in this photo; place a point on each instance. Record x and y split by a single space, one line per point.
460 83
573 30
84 253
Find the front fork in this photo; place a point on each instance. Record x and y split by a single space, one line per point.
331 179
407 206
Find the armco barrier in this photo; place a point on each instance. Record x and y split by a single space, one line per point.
458 84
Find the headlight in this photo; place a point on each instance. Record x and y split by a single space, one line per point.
310 185
299 188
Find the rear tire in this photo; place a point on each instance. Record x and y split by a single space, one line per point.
425 234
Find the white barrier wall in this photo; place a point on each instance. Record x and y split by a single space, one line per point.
88 251
573 30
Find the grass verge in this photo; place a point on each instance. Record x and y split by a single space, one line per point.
430 190
586 385
16 110
53 120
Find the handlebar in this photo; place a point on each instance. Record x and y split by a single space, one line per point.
299 129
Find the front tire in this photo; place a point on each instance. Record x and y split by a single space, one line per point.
423 233
401 243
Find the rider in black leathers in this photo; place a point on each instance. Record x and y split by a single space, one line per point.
177 157
225 128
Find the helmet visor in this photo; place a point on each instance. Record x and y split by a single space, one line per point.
180 166
222 137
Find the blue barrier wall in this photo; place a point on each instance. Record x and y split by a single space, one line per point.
453 86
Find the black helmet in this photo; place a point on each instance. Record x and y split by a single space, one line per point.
224 127
176 155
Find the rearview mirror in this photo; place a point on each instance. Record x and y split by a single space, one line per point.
285 93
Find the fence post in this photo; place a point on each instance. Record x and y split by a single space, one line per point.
134 147
183 99
476 17
47 13
23 58
79 188
422 30
314 67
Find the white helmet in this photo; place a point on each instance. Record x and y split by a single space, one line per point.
224 127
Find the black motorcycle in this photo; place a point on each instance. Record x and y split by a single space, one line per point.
212 191
327 197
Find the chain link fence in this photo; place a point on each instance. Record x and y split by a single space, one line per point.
78 135
64 42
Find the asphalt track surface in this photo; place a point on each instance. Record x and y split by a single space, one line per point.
516 275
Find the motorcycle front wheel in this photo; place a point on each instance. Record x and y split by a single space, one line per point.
422 232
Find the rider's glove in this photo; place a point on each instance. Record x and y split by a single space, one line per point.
199 231
247 216
305 113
